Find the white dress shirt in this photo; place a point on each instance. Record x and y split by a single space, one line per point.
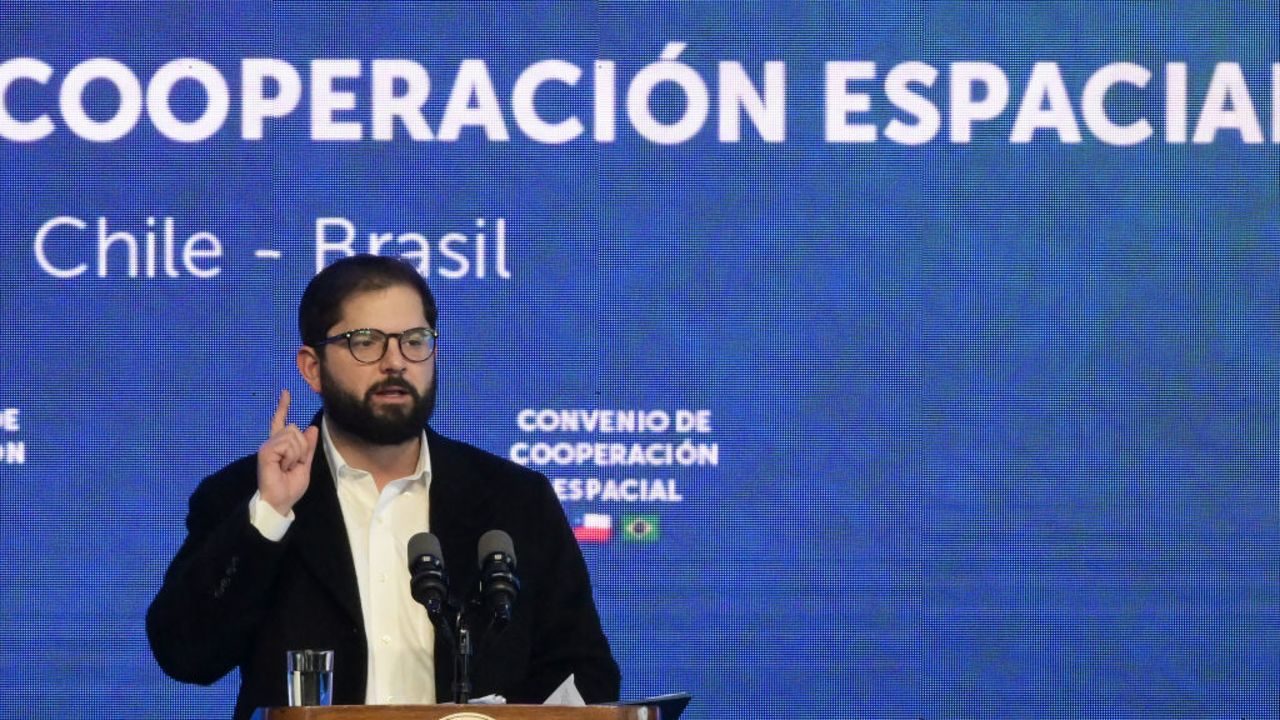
400 637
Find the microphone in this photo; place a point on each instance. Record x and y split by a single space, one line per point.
427 581
499 585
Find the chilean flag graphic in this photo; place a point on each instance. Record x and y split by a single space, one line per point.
592 527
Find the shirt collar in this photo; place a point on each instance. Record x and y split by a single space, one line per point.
341 470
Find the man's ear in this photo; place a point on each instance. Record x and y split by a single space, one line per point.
309 366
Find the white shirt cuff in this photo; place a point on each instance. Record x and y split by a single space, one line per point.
270 523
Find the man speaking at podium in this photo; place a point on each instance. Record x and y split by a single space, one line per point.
303 544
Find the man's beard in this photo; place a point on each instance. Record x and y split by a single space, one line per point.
391 425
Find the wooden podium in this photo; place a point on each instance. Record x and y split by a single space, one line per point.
460 712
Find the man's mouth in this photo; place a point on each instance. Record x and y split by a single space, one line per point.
392 393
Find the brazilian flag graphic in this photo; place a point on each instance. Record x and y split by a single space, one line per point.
640 528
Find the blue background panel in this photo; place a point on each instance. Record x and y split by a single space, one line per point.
995 421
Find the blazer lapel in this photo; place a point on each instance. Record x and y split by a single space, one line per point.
458 502
321 538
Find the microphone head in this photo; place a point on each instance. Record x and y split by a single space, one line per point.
499 586
424 543
427 581
495 541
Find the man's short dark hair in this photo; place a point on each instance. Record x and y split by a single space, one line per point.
321 305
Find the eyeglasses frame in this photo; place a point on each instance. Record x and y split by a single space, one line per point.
435 335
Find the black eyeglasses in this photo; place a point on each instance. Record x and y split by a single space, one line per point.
368 345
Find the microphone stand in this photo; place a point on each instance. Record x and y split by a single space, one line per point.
464 650
457 634
462 663
495 594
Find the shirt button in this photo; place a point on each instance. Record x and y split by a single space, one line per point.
386 639
382 577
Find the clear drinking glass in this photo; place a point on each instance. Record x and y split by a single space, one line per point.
310 677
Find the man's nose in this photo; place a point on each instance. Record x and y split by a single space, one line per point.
393 360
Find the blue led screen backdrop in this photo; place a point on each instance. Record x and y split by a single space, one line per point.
891 359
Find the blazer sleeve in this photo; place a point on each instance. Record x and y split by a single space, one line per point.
216 591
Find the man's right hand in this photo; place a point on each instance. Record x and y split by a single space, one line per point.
284 460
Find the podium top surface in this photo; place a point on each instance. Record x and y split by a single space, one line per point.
459 712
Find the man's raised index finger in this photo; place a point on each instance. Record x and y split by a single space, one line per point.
282 412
